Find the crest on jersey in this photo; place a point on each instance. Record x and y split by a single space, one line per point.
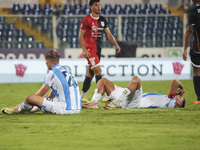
102 24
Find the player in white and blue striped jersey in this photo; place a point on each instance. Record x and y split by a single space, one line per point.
132 96
64 97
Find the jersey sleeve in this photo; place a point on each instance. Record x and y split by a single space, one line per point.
106 24
48 79
191 16
84 24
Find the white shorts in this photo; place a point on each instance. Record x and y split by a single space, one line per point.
133 100
56 107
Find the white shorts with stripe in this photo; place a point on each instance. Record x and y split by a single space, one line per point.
56 107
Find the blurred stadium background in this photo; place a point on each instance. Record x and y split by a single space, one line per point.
145 28
29 24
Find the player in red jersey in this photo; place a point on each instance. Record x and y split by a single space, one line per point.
90 38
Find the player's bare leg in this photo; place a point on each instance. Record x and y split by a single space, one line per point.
27 105
87 84
103 86
134 85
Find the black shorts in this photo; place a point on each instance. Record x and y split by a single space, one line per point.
195 58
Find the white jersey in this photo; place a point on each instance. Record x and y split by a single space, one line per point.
65 87
146 100
155 100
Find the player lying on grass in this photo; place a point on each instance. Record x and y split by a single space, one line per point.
64 98
132 96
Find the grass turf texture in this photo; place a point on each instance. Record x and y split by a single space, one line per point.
120 129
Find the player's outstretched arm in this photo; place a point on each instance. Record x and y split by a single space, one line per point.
112 39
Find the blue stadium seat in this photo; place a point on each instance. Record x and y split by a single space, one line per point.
128 9
47 9
138 6
36 9
19 45
137 11
36 21
39 45
10 32
26 10
1 32
74 42
8 45
147 11
67 9
158 9
2 19
77 9
30 38
107 10
148 6
1 39
46 24
11 26
167 11
158 6
16 9
19 38
117 9
29 45
20 32
86 9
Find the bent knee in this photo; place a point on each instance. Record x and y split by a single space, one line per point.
136 79
29 98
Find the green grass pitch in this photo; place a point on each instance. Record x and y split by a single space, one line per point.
121 129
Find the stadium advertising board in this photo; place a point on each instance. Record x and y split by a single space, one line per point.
115 69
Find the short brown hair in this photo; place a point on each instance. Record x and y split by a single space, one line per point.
53 55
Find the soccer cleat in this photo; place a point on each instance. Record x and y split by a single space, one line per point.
105 99
196 102
110 105
7 111
90 105
85 100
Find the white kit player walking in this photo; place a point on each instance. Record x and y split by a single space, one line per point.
64 97
132 96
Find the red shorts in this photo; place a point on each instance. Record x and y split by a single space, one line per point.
93 59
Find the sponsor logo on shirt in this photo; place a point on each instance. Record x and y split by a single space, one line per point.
102 24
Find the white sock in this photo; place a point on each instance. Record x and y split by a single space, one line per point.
24 107
123 96
96 97
83 94
35 109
